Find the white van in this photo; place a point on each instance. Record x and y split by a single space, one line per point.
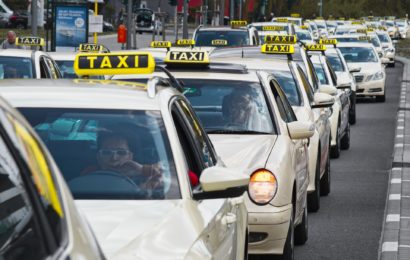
5 13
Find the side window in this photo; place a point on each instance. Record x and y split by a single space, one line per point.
199 135
313 75
306 85
53 69
285 109
43 69
332 73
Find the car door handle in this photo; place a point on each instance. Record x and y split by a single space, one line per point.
228 219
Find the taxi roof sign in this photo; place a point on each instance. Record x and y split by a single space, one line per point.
187 57
238 23
161 44
96 64
315 47
342 18
282 20
304 27
219 42
364 38
278 49
357 22
30 41
284 39
295 15
361 31
185 42
273 28
90 47
328 41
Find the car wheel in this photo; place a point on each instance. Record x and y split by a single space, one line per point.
313 199
345 142
301 230
335 150
325 181
352 110
382 98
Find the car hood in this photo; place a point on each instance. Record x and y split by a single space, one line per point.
128 229
367 68
244 151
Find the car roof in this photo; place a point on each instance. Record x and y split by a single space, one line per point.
354 44
63 55
77 93
253 52
222 28
16 53
258 64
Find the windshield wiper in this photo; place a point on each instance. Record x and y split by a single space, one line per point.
240 132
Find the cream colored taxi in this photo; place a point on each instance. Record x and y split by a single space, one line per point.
253 127
27 64
307 105
137 162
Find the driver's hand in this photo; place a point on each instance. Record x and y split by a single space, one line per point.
131 168
155 179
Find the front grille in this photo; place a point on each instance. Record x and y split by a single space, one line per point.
359 78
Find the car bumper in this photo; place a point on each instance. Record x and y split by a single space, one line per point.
371 88
268 228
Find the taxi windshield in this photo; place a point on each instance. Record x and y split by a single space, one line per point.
16 67
335 62
303 35
288 84
229 106
109 154
358 54
375 41
384 38
233 38
321 74
348 39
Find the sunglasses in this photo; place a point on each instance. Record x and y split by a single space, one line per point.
110 153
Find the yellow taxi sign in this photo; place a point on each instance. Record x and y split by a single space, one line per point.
187 56
278 49
161 44
370 30
219 42
90 47
342 18
328 41
357 22
238 23
185 42
382 28
295 15
96 64
273 28
361 31
284 39
364 38
304 27
282 20
30 41
320 18
315 47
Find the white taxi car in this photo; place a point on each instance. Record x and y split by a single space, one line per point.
39 219
367 68
308 107
236 35
266 28
388 47
253 127
27 64
132 155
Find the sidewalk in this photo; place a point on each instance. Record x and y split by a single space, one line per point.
395 238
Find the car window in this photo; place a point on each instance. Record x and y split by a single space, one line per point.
306 85
303 35
321 74
232 38
288 84
120 154
285 109
384 38
359 54
336 62
16 67
229 105
53 70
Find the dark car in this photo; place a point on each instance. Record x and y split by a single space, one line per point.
19 19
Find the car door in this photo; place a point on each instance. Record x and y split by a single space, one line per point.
222 236
300 148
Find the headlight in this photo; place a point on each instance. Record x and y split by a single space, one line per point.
263 186
376 76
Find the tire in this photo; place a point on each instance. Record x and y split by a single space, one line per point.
352 109
381 99
393 64
345 142
325 181
289 248
335 150
313 199
301 230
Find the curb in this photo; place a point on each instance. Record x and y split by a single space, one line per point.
395 235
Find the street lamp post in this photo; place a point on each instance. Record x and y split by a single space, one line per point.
320 4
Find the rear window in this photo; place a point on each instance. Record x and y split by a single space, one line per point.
232 38
358 54
16 67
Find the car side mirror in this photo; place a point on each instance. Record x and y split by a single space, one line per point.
300 130
221 182
355 69
327 89
322 100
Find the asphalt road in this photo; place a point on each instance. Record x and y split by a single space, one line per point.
348 224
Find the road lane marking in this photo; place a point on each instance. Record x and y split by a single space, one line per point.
398 145
395 180
393 218
390 247
394 196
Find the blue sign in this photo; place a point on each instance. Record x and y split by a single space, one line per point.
71 25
